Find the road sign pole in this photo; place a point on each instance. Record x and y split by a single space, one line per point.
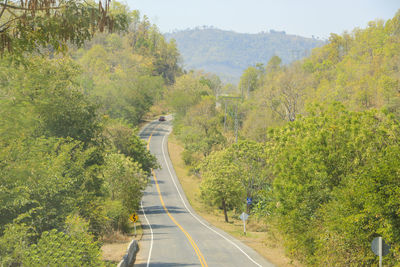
134 225
380 248
244 216
380 251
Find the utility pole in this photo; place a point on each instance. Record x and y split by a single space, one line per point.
236 123
225 117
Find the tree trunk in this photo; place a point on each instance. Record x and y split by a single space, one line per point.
224 207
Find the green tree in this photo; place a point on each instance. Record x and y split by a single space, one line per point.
336 185
125 179
29 26
221 185
13 244
250 80
201 133
56 248
126 141
186 92
45 180
249 157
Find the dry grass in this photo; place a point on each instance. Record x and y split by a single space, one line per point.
116 243
266 243
114 252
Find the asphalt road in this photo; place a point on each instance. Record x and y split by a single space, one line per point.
174 235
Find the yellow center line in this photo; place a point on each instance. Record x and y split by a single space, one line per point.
195 247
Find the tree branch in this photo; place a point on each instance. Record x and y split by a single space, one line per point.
29 9
4 8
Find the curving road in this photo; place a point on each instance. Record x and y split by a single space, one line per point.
174 235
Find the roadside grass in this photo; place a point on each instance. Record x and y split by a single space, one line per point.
266 243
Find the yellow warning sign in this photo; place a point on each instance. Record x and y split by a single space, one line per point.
134 217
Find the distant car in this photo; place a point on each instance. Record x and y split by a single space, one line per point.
162 118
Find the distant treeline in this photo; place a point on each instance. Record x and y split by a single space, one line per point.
227 53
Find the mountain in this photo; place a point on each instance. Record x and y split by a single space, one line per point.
228 53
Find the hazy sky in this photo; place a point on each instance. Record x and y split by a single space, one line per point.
301 17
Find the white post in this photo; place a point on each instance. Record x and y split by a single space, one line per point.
380 251
244 227
134 225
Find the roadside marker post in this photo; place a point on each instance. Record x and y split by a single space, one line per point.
244 216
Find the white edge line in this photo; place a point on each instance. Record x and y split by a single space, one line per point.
173 180
147 220
151 231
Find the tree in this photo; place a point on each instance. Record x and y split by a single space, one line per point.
330 202
250 160
55 248
26 26
285 95
126 141
213 82
221 185
273 65
126 180
45 180
249 81
14 242
186 92
201 133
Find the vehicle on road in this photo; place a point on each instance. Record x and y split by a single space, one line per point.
162 118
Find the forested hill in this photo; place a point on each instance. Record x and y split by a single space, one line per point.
228 53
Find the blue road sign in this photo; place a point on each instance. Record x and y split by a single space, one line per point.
249 200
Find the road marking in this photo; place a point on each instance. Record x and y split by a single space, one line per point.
195 247
151 231
173 180
147 220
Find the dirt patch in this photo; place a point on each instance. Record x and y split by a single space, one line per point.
264 242
114 252
115 244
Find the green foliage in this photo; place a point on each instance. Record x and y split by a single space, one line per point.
44 180
249 157
235 173
335 184
201 131
125 140
186 92
27 27
125 180
68 174
57 248
221 184
125 73
197 122
250 80
50 91
13 243
358 69
118 216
